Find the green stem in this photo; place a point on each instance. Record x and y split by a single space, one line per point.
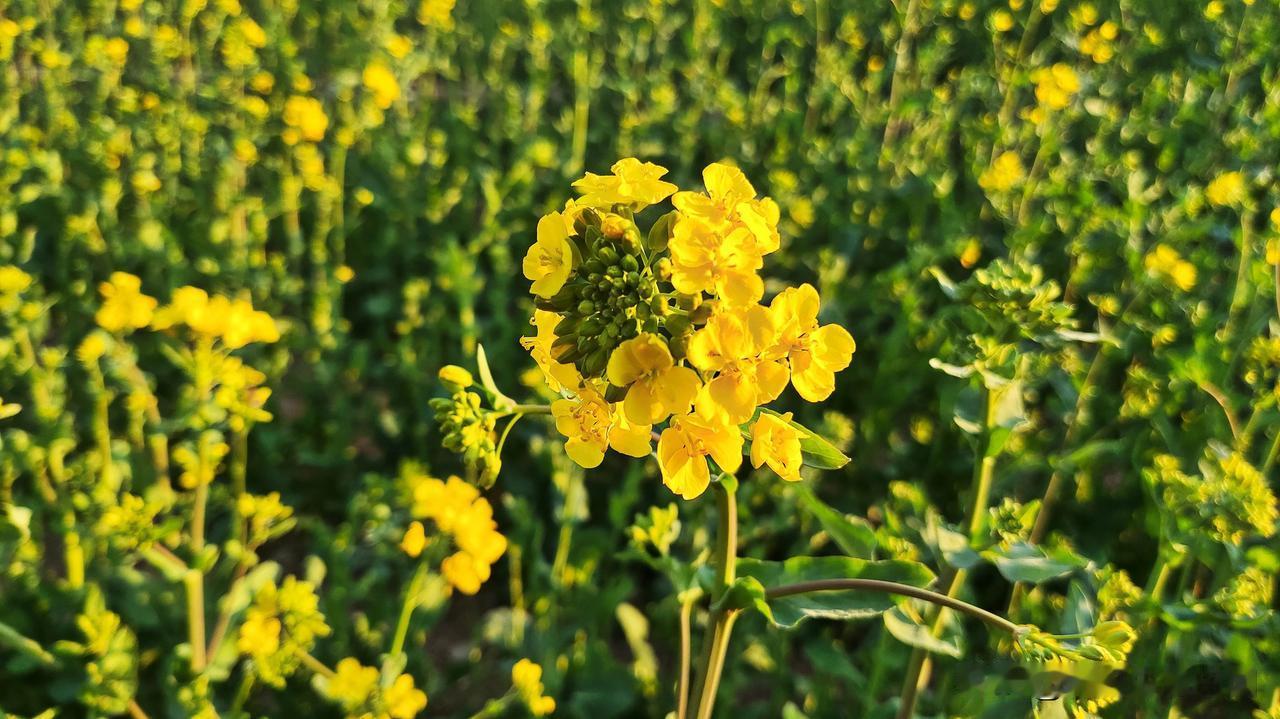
194 582
406 609
686 648
905 590
315 665
725 562
984 472
12 638
1239 297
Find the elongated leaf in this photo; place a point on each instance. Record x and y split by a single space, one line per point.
815 451
787 612
500 400
907 630
854 535
1023 562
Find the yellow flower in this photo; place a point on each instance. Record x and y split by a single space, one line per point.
703 261
379 79
1005 173
656 387
13 280
585 423
415 540
402 699
352 684
1002 21
306 115
559 376
260 634
125 308
633 183
436 13
626 437
526 676
774 441
464 572
731 346
92 348
1165 263
550 259
814 353
1227 189
730 206
1056 86
399 46
687 442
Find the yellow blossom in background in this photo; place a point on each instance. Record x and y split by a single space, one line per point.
1214 9
399 46
633 183
1227 190
352 684
548 262
91 348
380 81
1055 86
526 677
656 387
13 280
775 442
124 307
815 353
402 699
1005 173
415 540
306 115
436 13
1165 263
235 322
1002 21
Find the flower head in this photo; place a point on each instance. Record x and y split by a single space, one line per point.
634 183
776 442
685 445
125 307
550 259
656 388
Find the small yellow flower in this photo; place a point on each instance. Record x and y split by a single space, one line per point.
379 79
550 259
585 423
1165 263
260 634
344 274
526 676
559 376
436 13
1227 189
1005 173
1055 86
731 345
13 280
352 684
125 308
1002 21
415 540
399 46
306 115
633 183
656 387
91 348
402 699
464 572
774 441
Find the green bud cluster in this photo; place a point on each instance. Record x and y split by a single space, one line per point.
612 295
1107 643
1248 595
1229 502
1011 521
469 431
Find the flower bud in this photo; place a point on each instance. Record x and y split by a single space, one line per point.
455 378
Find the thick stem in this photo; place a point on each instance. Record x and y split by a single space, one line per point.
686 649
194 581
725 562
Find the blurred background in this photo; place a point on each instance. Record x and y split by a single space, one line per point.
370 173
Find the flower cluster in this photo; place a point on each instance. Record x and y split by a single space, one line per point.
458 510
633 333
279 628
1229 502
467 427
526 676
362 694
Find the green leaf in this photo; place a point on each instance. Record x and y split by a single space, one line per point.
953 546
853 535
911 632
815 451
1023 562
500 400
787 612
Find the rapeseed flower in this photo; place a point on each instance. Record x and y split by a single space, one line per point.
633 183
125 308
526 676
685 445
1227 190
550 259
306 115
776 442
656 387
814 353
1056 85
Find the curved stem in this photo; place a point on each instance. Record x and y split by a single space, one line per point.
135 711
406 609
315 665
905 590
